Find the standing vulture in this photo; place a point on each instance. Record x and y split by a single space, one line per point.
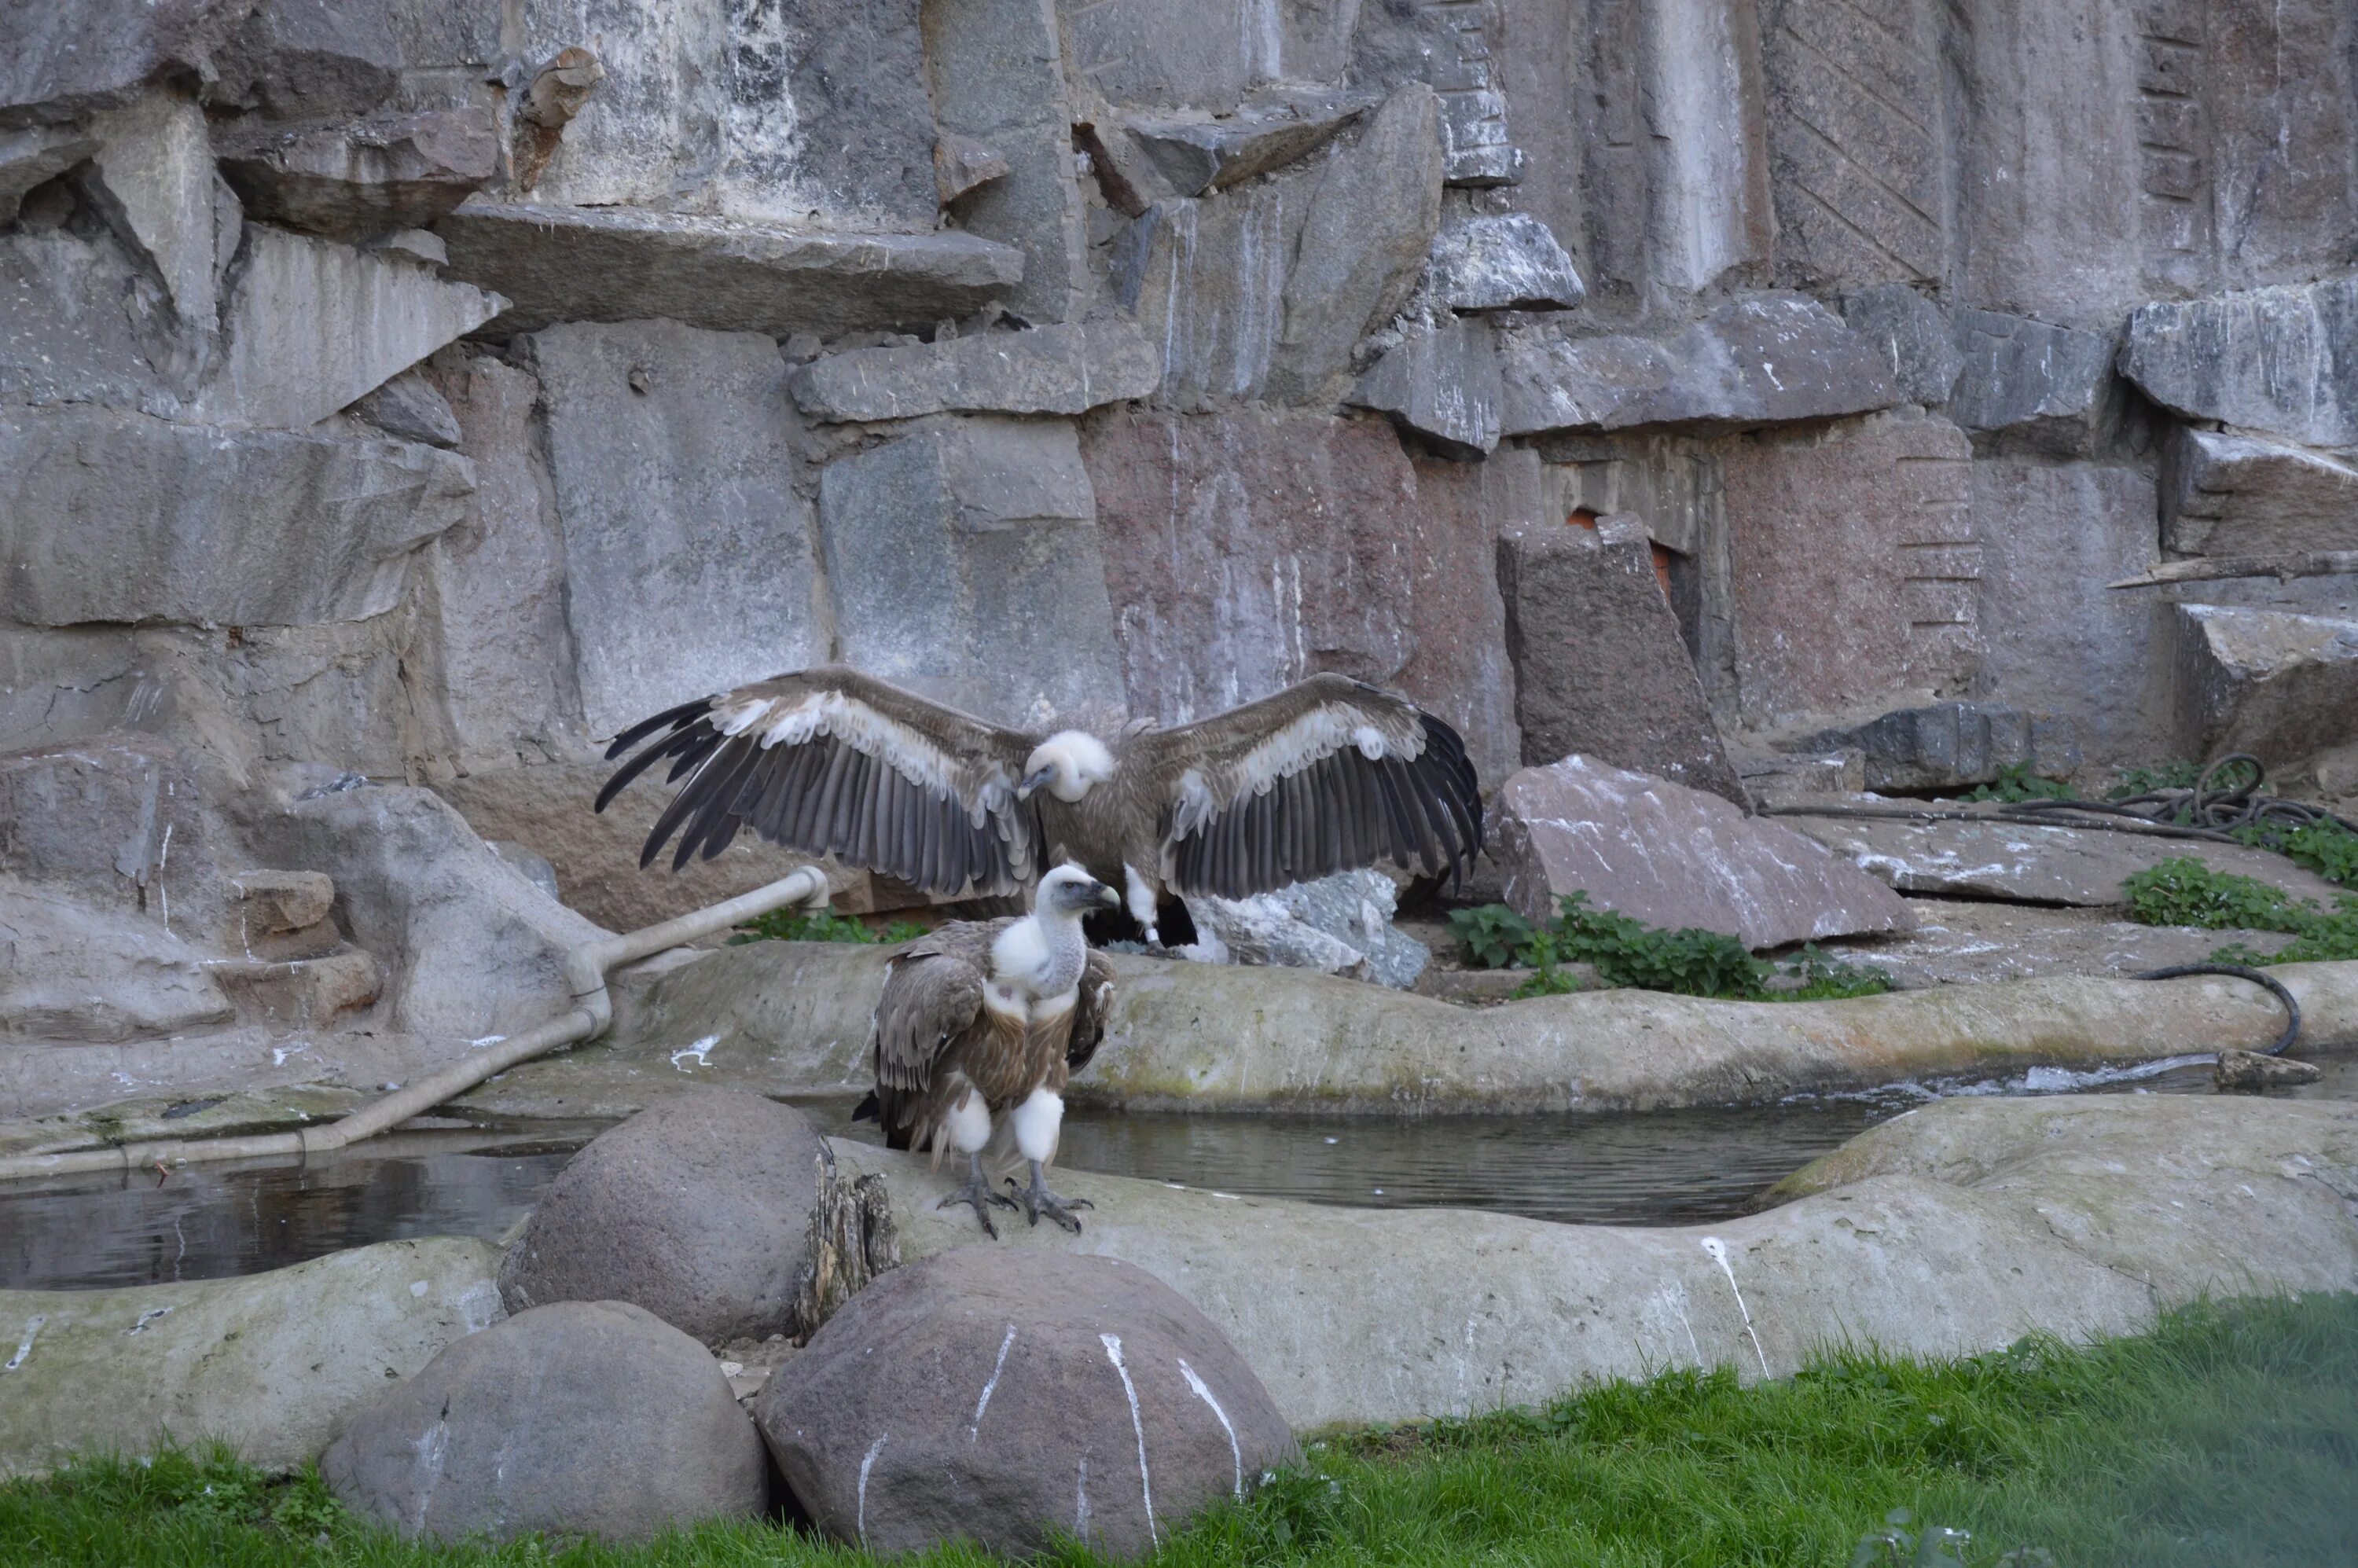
979 1027
1328 775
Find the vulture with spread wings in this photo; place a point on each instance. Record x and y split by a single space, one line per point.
1328 776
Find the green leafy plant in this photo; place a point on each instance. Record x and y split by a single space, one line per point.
2325 847
820 926
2017 784
2135 781
2185 891
1628 953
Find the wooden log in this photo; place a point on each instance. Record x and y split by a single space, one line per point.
2323 563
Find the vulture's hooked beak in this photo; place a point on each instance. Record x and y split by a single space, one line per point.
1107 897
1024 791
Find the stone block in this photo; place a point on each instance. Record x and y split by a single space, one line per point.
1448 47
1854 560
1198 154
2279 686
119 823
1441 380
312 59
1499 261
115 517
2277 361
70 971
410 408
1913 335
1363 238
963 560
1064 368
83 321
1144 54
1857 142
1249 549
1951 746
2040 387
1600 666
317 993
155 185
961 163
1764 359
2280 105
689 561
558 263
2237 495
313 325
1204 278
361 178
2053 638
35 156
1675 857
1340 925
272 904
62 63
997 71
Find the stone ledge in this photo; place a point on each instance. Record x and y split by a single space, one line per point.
577 263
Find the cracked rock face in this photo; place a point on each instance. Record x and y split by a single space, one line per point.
585 1417
1000 1395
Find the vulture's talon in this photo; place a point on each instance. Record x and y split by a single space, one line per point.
974 1190
1038 1200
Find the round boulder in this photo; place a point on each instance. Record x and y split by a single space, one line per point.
698 1209
1001 1393
585 1418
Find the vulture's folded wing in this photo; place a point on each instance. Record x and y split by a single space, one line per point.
933 994
1089 1012
1328 776
831 762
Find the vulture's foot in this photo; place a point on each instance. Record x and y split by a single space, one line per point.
976 1191
1038 1200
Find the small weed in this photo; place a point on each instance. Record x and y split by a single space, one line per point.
2147 780
2017 784
2325 847
820 926
2185 891
1628 953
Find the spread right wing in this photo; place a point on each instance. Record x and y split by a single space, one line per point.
831 762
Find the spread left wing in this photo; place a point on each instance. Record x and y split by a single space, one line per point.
1328 775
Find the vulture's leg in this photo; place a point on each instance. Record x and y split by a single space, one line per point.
1139 898
969 1126
1037 1121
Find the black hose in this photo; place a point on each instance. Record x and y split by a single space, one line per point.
2241 972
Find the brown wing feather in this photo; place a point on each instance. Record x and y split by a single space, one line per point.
933 994
1285 789
831 762
1091 1012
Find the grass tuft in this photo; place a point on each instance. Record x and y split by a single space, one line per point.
1628 953
2226 1438
821 925
2185 891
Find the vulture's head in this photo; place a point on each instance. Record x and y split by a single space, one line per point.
1068 763
1068 890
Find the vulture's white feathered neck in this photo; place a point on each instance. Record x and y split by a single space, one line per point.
1043 953
1076 759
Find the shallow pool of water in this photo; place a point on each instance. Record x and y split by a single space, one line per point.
210 1221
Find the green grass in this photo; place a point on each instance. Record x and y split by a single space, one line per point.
2185 891
2227 1438
1628 953
820 926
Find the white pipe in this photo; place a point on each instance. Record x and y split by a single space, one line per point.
586 967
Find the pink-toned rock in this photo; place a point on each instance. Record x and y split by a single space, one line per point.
1674 857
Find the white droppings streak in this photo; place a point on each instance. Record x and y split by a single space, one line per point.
150 1315
1081 1502
1718 1250
701 1052
1112 1343
974 1427
867 1463
33 1327
1236 1455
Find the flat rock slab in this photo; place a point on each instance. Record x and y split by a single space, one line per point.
1063 368
2235 495
2264 681
1673 858
591 1418
792 1020
270 1363
1954 1229
1002 1395
2280 361
2033 864
1970 941
570 264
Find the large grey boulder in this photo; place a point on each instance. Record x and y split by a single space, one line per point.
60 62
1913 335
2280 361
590 1418
1600 668
1441 380
695 1210
1004 1396
1763 359
69 972
1340 925
1066 368
116 517
1674 858
1204 154
2224 494
2278 685
2027 863
580 264
1951 745
2048 388
269 1363
359 178
154 186
312 59
1500 261
1369 225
